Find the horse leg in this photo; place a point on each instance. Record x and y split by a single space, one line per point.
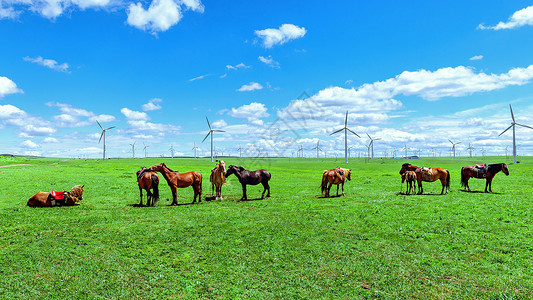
328 188
337 190
244 197
174 196
148 198
343 189
213 190
420 189
141 191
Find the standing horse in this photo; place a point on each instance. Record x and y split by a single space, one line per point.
53 198
429 175
490 172
250 177
217 179
177 180
147 179
410 177
335 176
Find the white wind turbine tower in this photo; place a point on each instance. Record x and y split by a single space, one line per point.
211 130
195 149
346 129
405 148
317 149
240 150
372 143
453 147
144 148
470 148
514 134
133 149
103 134
171 149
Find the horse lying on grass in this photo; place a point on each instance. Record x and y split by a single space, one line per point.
334 176
57 198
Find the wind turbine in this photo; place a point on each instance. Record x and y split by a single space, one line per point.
211 130
133 149
301 151
470 148
103 134
514 134
195 149
145 146
405 148
346 129
317 149
240 150
453 147
171 149
372 143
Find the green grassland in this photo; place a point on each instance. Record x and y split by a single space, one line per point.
373 243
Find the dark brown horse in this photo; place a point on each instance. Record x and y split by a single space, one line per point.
177 180
250 177
491 171
334 176
148 180
70 198
429 175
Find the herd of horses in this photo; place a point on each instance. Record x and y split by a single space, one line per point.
148 180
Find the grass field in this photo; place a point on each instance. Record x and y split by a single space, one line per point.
373 243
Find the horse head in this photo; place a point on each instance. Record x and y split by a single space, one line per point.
505 169
231 169
407 167
77 191
222 166
348 173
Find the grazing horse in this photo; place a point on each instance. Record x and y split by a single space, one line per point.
250 177
429 175
217 179
177 180
489 173
53 198
410 177
147 180
335 176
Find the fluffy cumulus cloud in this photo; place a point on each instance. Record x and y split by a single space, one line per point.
134 115
7 86
29 144
252 110
72 116
9 111
48 63
269 61
250 87
161 14
152 104
50 9
285 33
519 18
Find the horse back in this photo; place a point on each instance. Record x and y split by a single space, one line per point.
41 199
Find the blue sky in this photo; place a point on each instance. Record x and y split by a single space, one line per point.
413 73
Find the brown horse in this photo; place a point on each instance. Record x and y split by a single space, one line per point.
335 176
489 173
410 177
147 180
250 177
429 175
44 199
177 180
217 179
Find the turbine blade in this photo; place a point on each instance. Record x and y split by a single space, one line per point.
208 123
346 120
337 131
206 136
99 125
512 115
377 139
458 143
450 141
369 136
353 132
217 130
524 125
101 135
506 129
110 127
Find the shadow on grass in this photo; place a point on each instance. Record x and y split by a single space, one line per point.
480 192
331 196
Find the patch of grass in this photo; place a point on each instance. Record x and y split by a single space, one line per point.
373 243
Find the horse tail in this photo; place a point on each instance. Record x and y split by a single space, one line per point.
463 177
155 187
448 180
324 181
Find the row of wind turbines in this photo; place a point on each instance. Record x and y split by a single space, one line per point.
370 146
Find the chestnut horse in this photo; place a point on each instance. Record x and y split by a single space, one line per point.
217 179
429 175
492 170
250 177
147 180
410 177
335 176
44 199
177 180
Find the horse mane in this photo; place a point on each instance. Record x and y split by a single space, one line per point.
163 164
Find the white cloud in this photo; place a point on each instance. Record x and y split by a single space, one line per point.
9 111
161 14
236 67
269 61
219 124
50 140
49 63
76 117
7 86
152 105
50 9
29 144
250 87
252 110
285 33
199 77
102 118
134 115
518 19
8 13
477 57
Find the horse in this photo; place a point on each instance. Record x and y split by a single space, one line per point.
53 198
410 177
429 175
490 172
217 179
147 179
250 177
335 176
180 180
